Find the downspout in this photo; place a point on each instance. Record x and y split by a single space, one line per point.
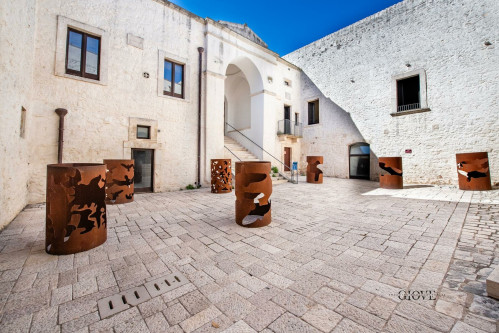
61 113
200 50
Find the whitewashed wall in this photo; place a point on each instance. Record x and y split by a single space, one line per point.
97 124
17 30
353 70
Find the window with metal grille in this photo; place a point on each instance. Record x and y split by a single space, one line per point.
408 94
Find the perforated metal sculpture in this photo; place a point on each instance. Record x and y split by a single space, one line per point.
473 171
392 180
253 190
119 181
221 176
76 208
314 174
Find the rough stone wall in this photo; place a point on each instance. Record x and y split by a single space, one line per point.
17 27
353 69
97 124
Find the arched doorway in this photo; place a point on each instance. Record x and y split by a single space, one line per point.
244 104
237 100
359 160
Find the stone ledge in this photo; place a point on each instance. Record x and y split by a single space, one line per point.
493 283
403 113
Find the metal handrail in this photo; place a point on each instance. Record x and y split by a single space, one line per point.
288 127
256 144
408 107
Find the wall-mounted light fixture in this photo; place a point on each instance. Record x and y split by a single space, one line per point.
270 79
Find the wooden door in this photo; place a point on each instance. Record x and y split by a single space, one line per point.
287 158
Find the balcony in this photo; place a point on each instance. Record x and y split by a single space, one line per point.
289 129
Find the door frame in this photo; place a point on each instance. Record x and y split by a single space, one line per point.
145 189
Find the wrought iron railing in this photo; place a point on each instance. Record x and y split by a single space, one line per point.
408 107
289 127
263 150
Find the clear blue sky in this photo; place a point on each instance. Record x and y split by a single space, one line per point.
288 25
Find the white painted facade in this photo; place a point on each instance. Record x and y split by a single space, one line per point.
353 71
244 84
136 38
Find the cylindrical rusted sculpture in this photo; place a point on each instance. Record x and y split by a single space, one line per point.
253 190
473 171
76 208
221 176
392 165
314 174
119 181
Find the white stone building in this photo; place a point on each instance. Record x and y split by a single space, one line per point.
450 46
111 65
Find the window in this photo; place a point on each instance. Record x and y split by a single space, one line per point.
408 94
313 112
297 117
143 132
173 73
83 54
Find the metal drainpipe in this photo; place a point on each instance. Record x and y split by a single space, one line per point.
61 113
200 50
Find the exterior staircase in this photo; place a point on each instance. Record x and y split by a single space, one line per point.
235 147
244 155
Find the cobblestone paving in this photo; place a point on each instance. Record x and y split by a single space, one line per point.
476 256
334 259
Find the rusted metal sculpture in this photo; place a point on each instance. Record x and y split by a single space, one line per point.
473 171
314 174
221 176
392 180
119 181
253 190
76 208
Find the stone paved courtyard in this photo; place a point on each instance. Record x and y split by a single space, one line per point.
334 259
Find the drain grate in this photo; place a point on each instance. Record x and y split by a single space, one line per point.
165 284
112 305
132 297
136 296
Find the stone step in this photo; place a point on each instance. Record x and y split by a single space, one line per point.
237 149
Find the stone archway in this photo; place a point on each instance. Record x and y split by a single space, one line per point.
244 104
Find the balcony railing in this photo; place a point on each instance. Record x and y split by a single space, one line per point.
408 107
288 127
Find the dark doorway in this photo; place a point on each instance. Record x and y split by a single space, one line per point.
287 158
287 119
359 160
144 169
